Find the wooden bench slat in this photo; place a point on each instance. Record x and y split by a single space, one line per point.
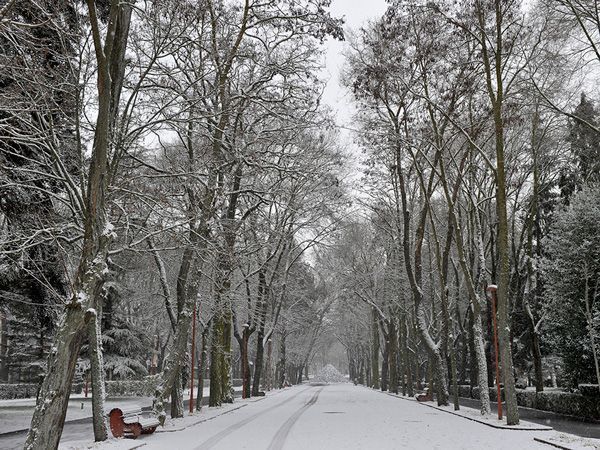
131 419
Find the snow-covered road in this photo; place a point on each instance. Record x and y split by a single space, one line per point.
340 416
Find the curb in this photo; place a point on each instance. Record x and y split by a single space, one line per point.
553 444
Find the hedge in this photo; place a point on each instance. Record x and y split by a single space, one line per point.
132 388
19 390
119 388
144 387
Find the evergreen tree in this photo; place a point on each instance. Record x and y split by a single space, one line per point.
572 269
585 149
125 343
35 91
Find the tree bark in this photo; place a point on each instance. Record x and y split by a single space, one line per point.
258 361
97 372
375 350
202 367
393 355
281 364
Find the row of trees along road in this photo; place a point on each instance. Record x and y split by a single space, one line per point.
183 136
474 144
165 159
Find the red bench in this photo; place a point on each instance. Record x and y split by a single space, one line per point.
130 422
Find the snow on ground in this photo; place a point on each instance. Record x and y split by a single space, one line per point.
571 442
491 420
16 414
171 426
338 416
111 444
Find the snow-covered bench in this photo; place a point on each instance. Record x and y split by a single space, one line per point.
425 397
129 422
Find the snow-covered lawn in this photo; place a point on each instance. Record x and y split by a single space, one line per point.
337 416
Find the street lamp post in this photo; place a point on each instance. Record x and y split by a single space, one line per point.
492 288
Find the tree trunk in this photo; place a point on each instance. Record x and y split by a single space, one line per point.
493 65
408 366
269 366
385 365
216 396
258 362
97 372
454 370
226 354
244 358
177 398
510 393
375 350
49 415
393 356
246 380
536 354
473 364
202 368
281 379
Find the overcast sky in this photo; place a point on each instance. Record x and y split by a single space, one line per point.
355 12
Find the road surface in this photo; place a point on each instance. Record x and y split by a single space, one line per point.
340 416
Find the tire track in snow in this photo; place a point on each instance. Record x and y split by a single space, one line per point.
215 439
282 434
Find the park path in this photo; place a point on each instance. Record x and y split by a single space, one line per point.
341 416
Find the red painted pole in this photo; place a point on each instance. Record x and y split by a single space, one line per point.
193 353
492 289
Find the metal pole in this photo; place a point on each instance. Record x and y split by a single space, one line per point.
492 289
193 353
